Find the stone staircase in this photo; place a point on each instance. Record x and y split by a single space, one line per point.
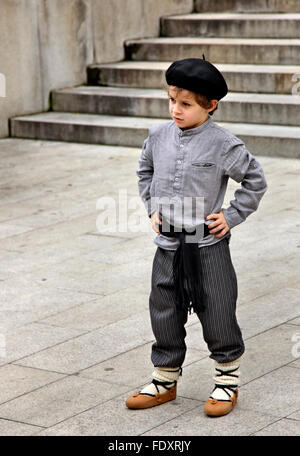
255 44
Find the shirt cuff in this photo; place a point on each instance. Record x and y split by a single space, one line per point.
149 207
232 217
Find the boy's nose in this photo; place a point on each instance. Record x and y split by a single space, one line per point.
176 109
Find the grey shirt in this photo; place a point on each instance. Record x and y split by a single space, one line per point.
180 164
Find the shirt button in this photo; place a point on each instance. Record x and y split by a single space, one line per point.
178 161
181 145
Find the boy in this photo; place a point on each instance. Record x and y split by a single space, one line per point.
187 158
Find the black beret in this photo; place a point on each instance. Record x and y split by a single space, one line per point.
197 75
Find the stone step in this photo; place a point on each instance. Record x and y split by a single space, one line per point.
232 25
240 78
271 140
247 6
266 51
84 128
252 108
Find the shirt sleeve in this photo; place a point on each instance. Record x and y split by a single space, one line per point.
145 174
242 166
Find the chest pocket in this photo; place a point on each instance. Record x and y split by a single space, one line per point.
203 165
204 175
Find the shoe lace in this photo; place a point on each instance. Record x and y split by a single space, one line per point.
225 387
166 384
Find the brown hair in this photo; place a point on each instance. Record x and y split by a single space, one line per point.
202 100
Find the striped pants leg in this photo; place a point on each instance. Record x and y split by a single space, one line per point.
221 331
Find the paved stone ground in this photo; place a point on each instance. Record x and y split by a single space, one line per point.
74 303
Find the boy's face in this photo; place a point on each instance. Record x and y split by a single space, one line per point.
184 109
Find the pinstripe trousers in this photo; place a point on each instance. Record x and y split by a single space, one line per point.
221 331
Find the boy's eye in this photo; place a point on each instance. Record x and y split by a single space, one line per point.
186 104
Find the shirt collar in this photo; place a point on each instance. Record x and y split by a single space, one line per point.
194 131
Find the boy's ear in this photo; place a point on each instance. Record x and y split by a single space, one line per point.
214 104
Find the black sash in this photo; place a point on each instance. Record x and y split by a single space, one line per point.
187 270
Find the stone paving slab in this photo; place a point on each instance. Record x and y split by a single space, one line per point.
113 418
95 346
268 311
34 338
19 317
102 282
297 363
32 259
267 278
102 311
294 416
261 357
17 380
196 423
275 393
16 429
284 427
49 235
59 400
118 370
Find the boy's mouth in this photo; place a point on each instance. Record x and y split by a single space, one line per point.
176 118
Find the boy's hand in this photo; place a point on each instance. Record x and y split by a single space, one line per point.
219 226
155 222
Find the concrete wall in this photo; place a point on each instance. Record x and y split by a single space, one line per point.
47 44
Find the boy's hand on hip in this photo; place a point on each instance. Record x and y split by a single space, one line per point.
155 222
219 226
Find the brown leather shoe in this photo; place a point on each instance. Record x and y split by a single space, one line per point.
215 407
142 401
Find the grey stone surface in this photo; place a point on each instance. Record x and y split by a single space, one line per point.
196 423
260 359
115 419
261 139
258 6
268 311
138 359
19 19
284 427
33 338
66 38
59 400
75 328
102 311
16 429
295 321
141 19
240 78
264 108
275 393
232 25
93 347
223 50
295 415
16 381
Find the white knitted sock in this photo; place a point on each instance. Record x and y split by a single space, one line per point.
162 374
220 378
